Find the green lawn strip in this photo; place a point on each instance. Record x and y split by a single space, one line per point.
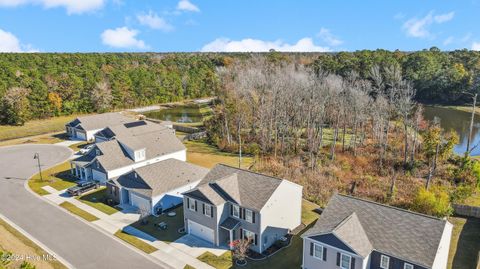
35 127
38 250
58 177
308 213
134 241
79 145
224 261
465 243
173 223
96 200
79 212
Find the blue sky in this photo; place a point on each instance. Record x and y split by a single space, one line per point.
237 25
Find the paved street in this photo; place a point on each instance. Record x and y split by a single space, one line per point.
81 245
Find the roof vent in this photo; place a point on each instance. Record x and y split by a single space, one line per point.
135 174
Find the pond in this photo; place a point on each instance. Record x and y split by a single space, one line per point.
459 121
181 114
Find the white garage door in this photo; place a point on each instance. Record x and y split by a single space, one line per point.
139 202
200 231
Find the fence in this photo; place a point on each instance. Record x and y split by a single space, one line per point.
466 210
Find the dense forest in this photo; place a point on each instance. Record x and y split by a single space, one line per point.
45 85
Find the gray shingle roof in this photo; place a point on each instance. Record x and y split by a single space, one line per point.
404 234
161 177
246 188
133 129
100 121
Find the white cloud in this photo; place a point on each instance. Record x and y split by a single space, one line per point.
10 43
448 41
72 6
415 27
153 21
122 37
256 45
186 5
329 38
476 46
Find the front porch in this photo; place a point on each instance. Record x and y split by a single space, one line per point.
229 232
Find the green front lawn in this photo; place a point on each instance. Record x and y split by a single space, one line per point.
171 233
58 177
78 211
465 244
134 241
97 200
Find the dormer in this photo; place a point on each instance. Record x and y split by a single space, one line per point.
140 155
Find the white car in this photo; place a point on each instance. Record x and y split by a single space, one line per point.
86 149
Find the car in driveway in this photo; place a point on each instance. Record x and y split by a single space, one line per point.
82 187
86 149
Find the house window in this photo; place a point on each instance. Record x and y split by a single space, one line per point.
249 215
384 262
208 210
249 236
318 251
407 266
345 261
236 211
191 204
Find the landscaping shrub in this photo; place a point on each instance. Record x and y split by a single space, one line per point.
435 201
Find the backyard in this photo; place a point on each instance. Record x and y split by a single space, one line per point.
203 154
465 244
173 225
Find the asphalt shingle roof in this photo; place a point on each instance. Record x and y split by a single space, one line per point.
404 234
100 121
246 188
132 129
158 178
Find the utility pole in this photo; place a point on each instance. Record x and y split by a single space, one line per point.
37 157
474 96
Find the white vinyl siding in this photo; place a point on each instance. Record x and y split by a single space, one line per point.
384 262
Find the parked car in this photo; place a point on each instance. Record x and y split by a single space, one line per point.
81 187
86 149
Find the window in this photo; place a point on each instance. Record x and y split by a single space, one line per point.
208 210
250 236
191 204
318 251
345 261
236 211
384 262
407 266
249 215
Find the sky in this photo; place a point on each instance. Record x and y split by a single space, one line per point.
237 25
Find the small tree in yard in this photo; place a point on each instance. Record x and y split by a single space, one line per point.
144 212
240 250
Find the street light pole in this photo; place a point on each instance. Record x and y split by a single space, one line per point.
37 156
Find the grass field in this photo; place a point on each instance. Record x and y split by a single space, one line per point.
78 211
203 154
13 241
465 244
173 223
132 240
96 200
35 127
58 177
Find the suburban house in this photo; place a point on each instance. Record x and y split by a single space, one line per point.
134 128
354 233
116 157
157 186
232 203
85 127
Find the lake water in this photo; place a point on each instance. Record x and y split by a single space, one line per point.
184 114
459 121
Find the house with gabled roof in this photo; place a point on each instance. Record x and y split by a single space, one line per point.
231 204
355 233
85 127
156 187
133 128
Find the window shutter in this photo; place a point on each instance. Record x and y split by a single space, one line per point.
195 205
203 209
253 217
311 248
231 210
188 203
338 258
255 240
352 265
241 213
241 234
324 253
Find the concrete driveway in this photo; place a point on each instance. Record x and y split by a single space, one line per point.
79 244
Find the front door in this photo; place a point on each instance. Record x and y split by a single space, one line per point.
125 197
